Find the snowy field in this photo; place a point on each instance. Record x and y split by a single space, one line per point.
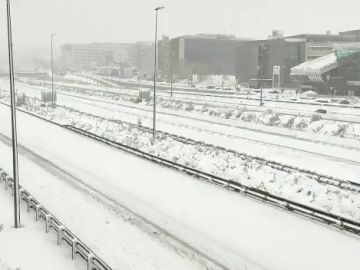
247 235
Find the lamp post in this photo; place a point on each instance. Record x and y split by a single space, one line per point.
17 223
155 70
261 72
52 72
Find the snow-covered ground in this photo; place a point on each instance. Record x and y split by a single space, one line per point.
294 186
229 228
323 153
17 245
105 228
335 123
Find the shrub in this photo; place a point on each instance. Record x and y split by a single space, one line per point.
290 122
315 117
274 120
341 130
301 124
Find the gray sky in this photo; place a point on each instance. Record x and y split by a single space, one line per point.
132 20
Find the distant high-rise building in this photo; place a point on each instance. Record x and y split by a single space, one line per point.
202 55
91 55
141 56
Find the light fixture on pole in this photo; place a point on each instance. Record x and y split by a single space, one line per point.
17 223
52 72
155 70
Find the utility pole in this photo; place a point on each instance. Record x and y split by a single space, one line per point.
17 223
52 73
155 70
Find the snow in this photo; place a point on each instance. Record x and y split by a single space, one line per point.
212 160
229 228
17 245
317 66
322 153
109 232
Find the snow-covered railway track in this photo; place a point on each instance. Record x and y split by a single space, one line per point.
256 108
298 208
321 178
218 123
234 95
330 219
262 142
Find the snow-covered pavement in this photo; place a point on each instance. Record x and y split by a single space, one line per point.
17 245
227 227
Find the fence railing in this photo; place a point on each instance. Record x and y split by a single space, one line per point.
53 224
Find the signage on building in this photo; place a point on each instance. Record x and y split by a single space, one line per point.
315 78
276 70
353 83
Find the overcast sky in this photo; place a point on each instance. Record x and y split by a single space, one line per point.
132 20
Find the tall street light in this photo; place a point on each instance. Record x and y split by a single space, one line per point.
13 123
155 70
261 72
52 72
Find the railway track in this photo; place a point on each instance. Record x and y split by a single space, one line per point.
321 178
324 217
292 111
234 95
232 136
230 95
224 104
298 208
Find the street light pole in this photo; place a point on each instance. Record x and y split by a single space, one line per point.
261 74
155 70
52 72
17 223
171 75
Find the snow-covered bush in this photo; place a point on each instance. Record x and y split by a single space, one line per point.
315 117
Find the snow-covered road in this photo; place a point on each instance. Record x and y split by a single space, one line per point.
229 228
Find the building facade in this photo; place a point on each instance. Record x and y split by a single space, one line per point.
89 56
201 55
141 57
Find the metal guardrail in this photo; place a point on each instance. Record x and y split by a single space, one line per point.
304 210
52 223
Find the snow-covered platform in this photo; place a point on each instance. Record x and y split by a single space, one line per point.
227 227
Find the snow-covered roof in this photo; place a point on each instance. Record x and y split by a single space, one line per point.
317 66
